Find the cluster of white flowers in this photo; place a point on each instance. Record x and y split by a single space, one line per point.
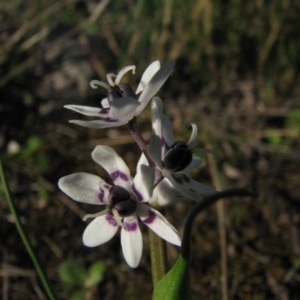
162 175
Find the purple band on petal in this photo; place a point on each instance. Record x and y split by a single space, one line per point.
104 111
151 217
114 175
137 193
111 220
109 120
130 226
181 178
101 196
163 142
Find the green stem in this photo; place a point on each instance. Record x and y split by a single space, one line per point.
24 236
158 255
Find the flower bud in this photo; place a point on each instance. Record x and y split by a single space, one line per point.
178 157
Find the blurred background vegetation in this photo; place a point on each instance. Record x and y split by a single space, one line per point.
236 76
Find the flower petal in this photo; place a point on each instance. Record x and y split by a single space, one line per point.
143 181
123 72
195 163
165 194
148 74
131 241
159 224
193 139
114 165
124 107
161 124
142 161
154 85
157 110
89 111
99 231
97 124
188 187
86 188
105 103
155 150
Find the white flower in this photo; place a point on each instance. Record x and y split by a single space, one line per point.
122 103
174 160
124 201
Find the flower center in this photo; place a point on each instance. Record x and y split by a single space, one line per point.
121 90
178 157
121 201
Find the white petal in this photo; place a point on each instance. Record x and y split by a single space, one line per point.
155 150
86 188
188 187
154 85
167 130
159 224
142 161
105 103
165 194
193 139
99 231
89 111
95 83
131 241
143 181
148 74
124 107
195 163
161 124
122 72
98 124
157 111
114 165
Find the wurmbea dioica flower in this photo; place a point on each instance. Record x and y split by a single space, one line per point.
175 159
122 103
125 202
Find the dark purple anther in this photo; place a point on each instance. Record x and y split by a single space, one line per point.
178 157
126 208
118 194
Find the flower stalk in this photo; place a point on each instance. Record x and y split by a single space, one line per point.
158 254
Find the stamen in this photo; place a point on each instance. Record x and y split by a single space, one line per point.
109 77
122 72
102 213
193 139
95 83
117 217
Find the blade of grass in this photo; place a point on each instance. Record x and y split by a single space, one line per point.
24 237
